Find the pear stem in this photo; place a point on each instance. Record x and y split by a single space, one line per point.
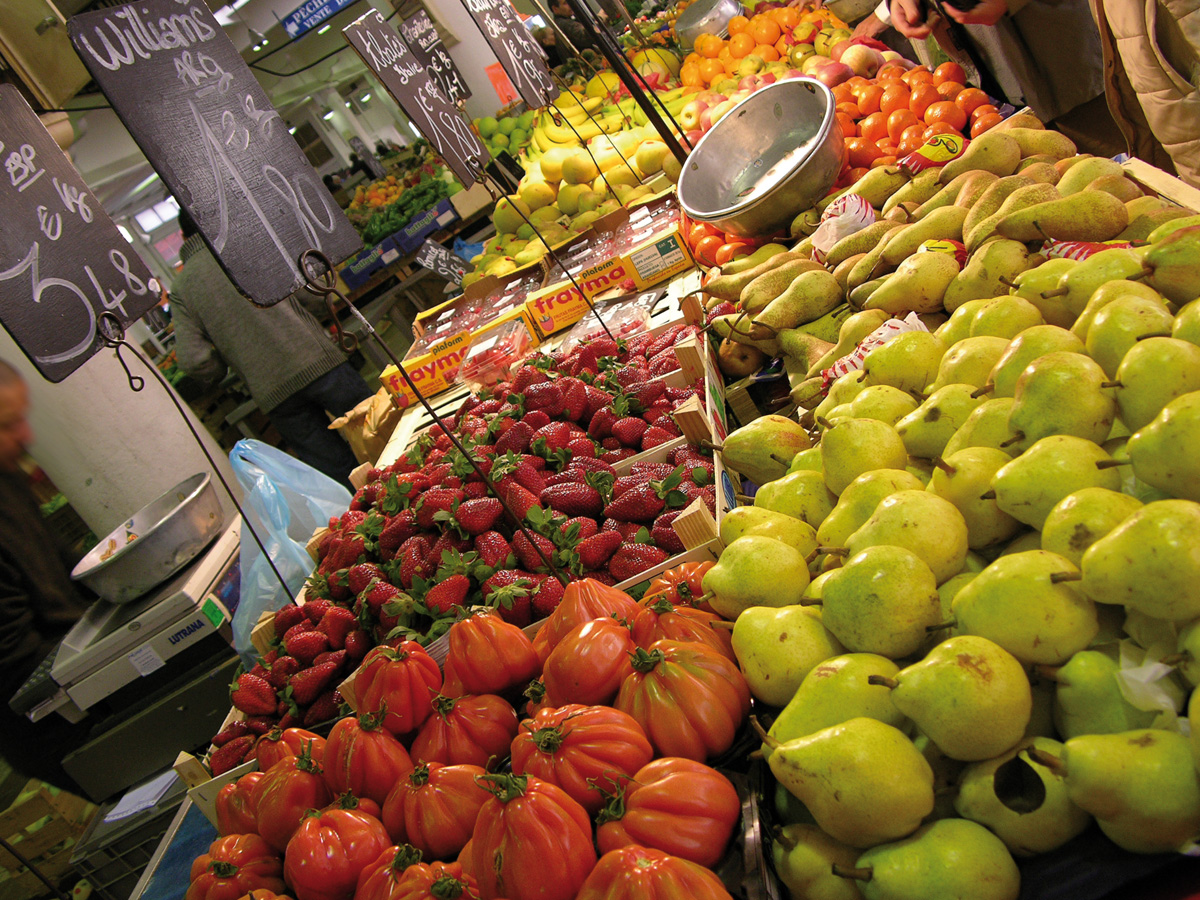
863 376
823 422
944 466
1060 577
744 498
1050 673
833 551
703 598
709 445
929 629
1057 292
981 391
779 459
1007 282
762 734
988 495
1111 463
883 681
1175 658
1111 384
781 837
1019 436
1150 334
850 872
810 601
722 623
1146 272
1047 760
813 555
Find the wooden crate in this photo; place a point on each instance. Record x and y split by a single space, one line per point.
42 826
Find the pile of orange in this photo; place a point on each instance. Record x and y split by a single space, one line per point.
767 35
891 115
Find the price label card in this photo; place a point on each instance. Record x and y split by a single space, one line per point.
437 258
62 260
386 54
206 125
516 49
426 45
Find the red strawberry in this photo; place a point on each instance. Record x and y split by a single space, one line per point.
516 439
315 609
253 695
582 448
434 501
358 642
631 374
629 430
399 528
414 562
508 590
327 706
546 397
527 555
575 398
362 575
298 628
651 470
655 435
546 597
573 500
552 437
351 519
282 670
447 595
600 425
475 490
230 755
308 684
231 731
526 376
494 550
378 595
535 419
519 500
307 646
633 559
596 550
615 456
587 527
477 516
344 552
596 401
646 392
262 724
664 535
337 657
286 617
337 623
447 541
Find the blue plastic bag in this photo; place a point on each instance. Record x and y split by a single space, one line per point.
285 502
465 251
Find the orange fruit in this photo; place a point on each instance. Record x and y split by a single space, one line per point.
895 96
922 96
890 72
874 127
785 17
861 152
740 45
888 158
917 75
766 53
689 74
985 109
711 70
782 46
948 90
706 249
945 112
709 46
869 97
854 174
850 109
843 93
849 129
899 120
692 57
913 136
949 71
724 54
737 25
969 99
983 123
938 128
731 65
763 30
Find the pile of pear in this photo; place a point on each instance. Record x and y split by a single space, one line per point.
969 579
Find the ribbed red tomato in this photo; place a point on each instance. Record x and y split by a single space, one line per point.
293 786
278 744
680 585
487 655
399 874
689 699
434 808
235 865
635 873
352 801
472 730
531 842
582 601
364 758
588 665
676 805
235 805
658 620
403 680
582 749
329 850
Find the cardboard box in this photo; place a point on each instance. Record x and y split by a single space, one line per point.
431 372
472 200
420 226
360 268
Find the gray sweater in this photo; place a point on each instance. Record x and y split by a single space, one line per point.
276 351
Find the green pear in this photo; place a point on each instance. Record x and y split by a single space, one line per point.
947 591
851 332
987 273
1085 216
988 202
1016 603
1024 803
1005 317
1141 786
1029 487
858 501
958 326
943 224
1150 562
1105 294
1152 373
908 361
1022 543
1035 282
1027 346
843 390
837 690
1082 517
922 468
802 495
969 361
777 647
882 601
882 402
767 523
1161 452
755 571
1172 267
918 284
944 860
1187 645
1035 193
858 242
1187 324
920 521
963 478
1038 142
1088 698
995 152
969 695
758 294
804 857
816 586
1079 283
762 450
986 426
806 461
1061 393
1083 173
810 295
854 446
927 429
863 780
1194 721
1118 327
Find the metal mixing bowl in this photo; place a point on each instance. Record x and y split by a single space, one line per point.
771 156
154 543
705 17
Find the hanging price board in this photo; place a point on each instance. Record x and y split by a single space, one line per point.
386 54
438 259
62 260
206 125
514 46
426 45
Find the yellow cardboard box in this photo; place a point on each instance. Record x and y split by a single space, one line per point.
431 372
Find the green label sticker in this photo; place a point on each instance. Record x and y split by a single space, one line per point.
212 612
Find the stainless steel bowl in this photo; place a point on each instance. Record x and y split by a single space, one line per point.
705 17
771 156
154 543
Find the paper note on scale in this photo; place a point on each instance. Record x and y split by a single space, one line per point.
205 124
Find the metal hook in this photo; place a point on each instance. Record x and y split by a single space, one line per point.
113 333
327 288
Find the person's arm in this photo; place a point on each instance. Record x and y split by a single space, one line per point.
876 22
908 18
988 12
194 352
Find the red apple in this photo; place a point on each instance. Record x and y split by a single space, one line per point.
834 73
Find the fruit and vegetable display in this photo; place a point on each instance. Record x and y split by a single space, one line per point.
385 206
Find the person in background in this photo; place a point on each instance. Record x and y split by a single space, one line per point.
548 41
38 600
292 369
576 32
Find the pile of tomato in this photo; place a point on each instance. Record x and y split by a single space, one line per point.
437 788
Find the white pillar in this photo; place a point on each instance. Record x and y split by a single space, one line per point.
110 450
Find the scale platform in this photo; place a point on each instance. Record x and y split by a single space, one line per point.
112 646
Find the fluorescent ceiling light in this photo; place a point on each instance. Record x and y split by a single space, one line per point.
145 183
323 29
148 220
365 97
328 115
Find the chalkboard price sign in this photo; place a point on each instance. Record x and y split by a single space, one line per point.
422 38
206 125
514 46
62 260
386 54
438 259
